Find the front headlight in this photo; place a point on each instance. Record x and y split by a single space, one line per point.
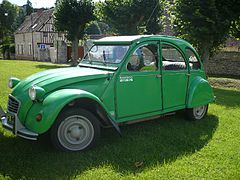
36 93
32 93
12 82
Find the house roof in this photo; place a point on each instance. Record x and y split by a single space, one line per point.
35 21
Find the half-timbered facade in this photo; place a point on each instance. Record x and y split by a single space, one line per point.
36 35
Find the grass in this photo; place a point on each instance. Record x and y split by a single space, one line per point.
166 148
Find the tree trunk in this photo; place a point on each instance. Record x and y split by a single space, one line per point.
6 54
75 52
205 55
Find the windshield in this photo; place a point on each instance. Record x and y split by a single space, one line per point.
112 54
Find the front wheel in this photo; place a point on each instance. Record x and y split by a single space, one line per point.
197 113
75 130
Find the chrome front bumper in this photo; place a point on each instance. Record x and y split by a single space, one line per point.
17 128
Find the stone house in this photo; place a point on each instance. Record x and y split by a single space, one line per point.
36 35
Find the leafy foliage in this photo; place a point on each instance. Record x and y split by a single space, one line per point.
8 13
72 17
235 29
23 11
129 17
11 17
96 27
29 8
206 23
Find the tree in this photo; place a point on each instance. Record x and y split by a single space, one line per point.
29 8
72 16
235 29
205 23
130 17
8 14
97 28
23 11
20 17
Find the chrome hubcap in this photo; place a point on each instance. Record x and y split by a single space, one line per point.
75 133
199 112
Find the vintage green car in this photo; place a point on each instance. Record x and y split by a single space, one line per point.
120 80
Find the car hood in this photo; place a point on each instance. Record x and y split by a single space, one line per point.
57 78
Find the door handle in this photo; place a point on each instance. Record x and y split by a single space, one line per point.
158 76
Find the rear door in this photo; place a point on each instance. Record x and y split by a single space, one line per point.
174 75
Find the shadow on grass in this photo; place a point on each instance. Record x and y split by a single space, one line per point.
227 97
50 66
150 143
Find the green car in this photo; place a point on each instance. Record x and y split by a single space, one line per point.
120 80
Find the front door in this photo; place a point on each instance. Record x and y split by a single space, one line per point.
174 76
138 89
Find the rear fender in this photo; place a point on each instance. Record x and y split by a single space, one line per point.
200 93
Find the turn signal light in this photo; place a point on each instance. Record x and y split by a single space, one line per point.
39 117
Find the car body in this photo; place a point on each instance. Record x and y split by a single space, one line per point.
121 79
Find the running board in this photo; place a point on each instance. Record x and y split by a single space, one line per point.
146 119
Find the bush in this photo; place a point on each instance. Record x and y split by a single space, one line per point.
7 49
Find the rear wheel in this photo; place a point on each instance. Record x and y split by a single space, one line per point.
75 130
197 113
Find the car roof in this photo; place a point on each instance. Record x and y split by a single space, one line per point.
121 40
126 39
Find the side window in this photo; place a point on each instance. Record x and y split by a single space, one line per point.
145 58
172 59
193 61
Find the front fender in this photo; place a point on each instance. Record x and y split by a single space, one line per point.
200 93
52 106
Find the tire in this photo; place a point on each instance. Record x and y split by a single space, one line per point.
75 130
197 113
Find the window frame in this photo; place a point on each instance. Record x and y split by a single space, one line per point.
179 50
142 44
196 55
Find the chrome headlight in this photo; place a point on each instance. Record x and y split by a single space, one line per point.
36 93
12 82
32 93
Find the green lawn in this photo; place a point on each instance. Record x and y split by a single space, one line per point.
164 148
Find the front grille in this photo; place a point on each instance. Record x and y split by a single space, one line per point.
13 105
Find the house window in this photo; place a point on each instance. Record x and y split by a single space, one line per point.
22 49
30 49
35 25
18 49
45 34
51 37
